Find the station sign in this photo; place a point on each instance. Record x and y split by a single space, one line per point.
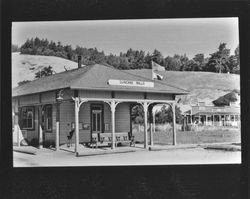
117 82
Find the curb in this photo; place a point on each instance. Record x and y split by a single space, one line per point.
79 154
172 148
25 150
225 148
217 146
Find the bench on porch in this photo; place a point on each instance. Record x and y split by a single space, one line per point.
106 139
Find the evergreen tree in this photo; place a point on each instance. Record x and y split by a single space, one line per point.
219 61
157 57
15 48
199 62
235 61
173 63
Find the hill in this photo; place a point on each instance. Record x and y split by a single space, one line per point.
24 67
203 86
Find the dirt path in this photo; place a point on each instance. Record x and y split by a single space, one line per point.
140 157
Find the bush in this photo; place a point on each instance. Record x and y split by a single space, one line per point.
49 143
34 142
187 127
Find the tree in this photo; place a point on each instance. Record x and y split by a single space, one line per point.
157 57
15 48
69 52
173 63
23 82
124 64
183 62
46 71
147 61
135 58
27 47
137 114
199 62
237 54
165 115
219 61
226 99
191 65
52 46
235 61
96 57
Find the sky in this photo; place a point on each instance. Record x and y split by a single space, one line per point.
170 36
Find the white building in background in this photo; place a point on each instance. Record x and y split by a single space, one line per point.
211 115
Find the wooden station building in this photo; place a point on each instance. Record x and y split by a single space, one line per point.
92 100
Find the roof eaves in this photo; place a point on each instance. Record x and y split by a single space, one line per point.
126 89
38 92
21 93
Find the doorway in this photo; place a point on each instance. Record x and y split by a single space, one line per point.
97 119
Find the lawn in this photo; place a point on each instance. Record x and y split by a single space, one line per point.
164 135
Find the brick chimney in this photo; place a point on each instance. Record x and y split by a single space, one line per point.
79 61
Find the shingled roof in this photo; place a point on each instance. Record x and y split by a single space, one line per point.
94 77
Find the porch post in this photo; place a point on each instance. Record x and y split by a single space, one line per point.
57 125
40 127
145 107
174 124
18 134
113 123
153 122
151 134
151 125
57 135
76 124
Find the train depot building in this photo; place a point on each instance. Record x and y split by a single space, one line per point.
92 102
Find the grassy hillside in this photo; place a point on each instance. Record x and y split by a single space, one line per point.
22 65
203 86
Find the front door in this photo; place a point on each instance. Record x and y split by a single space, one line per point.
96 122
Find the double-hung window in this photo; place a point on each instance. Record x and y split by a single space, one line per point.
27 118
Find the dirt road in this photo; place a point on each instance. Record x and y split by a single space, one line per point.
47 157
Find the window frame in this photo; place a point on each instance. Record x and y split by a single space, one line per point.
33 118
46 117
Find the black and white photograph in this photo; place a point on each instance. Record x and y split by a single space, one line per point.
126 92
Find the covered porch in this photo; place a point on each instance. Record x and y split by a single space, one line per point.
114 135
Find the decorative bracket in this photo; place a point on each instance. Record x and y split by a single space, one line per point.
78 101
112 104
145 105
